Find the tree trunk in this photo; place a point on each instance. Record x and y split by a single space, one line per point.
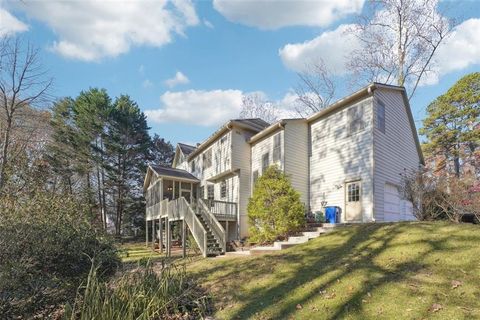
6 142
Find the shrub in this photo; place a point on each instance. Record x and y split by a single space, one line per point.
46 243
274 210
141 294
442 198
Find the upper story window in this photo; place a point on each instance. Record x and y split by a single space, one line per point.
223 139
223 189
277 151
265 162
355 119
192 166
207 159
210 192
380 117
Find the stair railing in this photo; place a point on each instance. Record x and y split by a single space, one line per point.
180 209
211 220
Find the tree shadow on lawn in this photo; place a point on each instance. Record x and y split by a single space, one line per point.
359 251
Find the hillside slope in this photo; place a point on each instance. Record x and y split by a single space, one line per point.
383 271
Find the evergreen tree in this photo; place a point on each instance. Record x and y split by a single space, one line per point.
61 151
162 151
127 148
452 124
91 113
274 210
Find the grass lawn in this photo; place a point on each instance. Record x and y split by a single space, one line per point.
375 271
135 251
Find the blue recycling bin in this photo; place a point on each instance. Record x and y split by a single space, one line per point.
331 214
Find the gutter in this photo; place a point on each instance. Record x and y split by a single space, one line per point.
226 127
279 125
342 102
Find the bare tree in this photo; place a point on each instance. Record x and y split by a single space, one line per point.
315 90
255 105
23 85
398 40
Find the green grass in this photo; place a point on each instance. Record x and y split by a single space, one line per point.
136 251
375 271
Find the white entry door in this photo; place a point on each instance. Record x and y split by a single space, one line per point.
353 203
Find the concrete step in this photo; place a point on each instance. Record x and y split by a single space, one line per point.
297 239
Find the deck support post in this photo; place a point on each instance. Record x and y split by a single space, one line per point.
160 231
184 242
146 233
153 234
167 226
226 235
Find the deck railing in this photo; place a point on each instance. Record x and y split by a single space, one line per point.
180 209
222 210
211 220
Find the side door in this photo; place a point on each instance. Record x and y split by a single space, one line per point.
353 201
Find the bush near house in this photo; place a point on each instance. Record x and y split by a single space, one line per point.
274 210
46 246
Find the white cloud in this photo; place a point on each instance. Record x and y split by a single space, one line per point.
461 50
331 47
141 69
208 24
147 84
274 14
9 24
198 107
91 30
179 78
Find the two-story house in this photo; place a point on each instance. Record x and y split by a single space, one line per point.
350 155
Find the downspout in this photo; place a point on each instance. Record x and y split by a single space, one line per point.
371 91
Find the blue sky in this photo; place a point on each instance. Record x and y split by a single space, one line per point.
187 64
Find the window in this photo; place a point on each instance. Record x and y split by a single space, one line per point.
277 147
265 162
223 189
223 139
353 192
355 119
381 117
202 192
210 192
192 168
207 159
255 177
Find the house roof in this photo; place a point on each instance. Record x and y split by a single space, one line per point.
186 148
254 124
173 173
272 128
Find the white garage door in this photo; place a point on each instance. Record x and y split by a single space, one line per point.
396 209
392 203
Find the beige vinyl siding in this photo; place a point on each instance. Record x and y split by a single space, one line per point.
259 148
296 156
241 163
395 150
338 157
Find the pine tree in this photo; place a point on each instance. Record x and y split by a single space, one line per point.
452 125
162 151
127 149
91 112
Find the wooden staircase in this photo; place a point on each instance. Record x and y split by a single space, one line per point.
214 247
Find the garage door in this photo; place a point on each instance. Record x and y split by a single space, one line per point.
392 203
